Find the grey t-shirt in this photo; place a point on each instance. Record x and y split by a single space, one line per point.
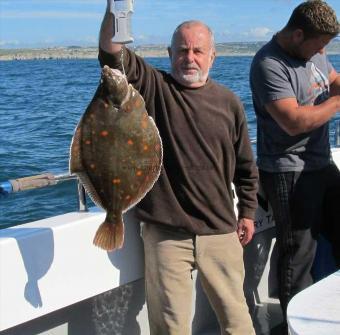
275 75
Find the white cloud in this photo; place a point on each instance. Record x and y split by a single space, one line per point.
12 42
225 32
48 14
151 39
258 33
142 37
90 39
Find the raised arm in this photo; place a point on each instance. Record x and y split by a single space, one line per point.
106 32
295 119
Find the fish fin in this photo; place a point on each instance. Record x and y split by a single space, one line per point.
76 166
75 163
110 236
90 190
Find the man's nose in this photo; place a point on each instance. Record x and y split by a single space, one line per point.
190 56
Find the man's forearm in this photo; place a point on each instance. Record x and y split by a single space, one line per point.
295 119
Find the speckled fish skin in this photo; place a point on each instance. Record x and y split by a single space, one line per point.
117 153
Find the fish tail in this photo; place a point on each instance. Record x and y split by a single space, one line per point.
110 236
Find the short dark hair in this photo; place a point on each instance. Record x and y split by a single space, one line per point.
314 18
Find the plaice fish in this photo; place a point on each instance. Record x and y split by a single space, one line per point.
116 152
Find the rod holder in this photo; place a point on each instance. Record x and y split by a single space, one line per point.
82 206
40 181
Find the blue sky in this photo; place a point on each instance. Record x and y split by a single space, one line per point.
48 23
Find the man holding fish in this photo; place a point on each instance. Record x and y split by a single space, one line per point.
188 216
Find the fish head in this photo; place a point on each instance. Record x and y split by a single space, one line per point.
115 84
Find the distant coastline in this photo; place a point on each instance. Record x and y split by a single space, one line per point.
76 52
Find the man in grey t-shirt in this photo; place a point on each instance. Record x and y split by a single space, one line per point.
295 93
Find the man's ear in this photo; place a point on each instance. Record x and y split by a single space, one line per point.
212 57
169 52
298 36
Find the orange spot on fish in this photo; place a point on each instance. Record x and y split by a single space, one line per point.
128 197
145 148
116 181
104 133
139 173
129 142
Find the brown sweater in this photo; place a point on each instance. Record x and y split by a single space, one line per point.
205 145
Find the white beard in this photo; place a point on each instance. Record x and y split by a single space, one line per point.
192 78
196 77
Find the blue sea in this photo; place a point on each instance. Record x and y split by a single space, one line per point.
41 102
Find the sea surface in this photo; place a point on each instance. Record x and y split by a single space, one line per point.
41 102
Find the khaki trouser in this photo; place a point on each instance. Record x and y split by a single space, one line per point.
170 257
